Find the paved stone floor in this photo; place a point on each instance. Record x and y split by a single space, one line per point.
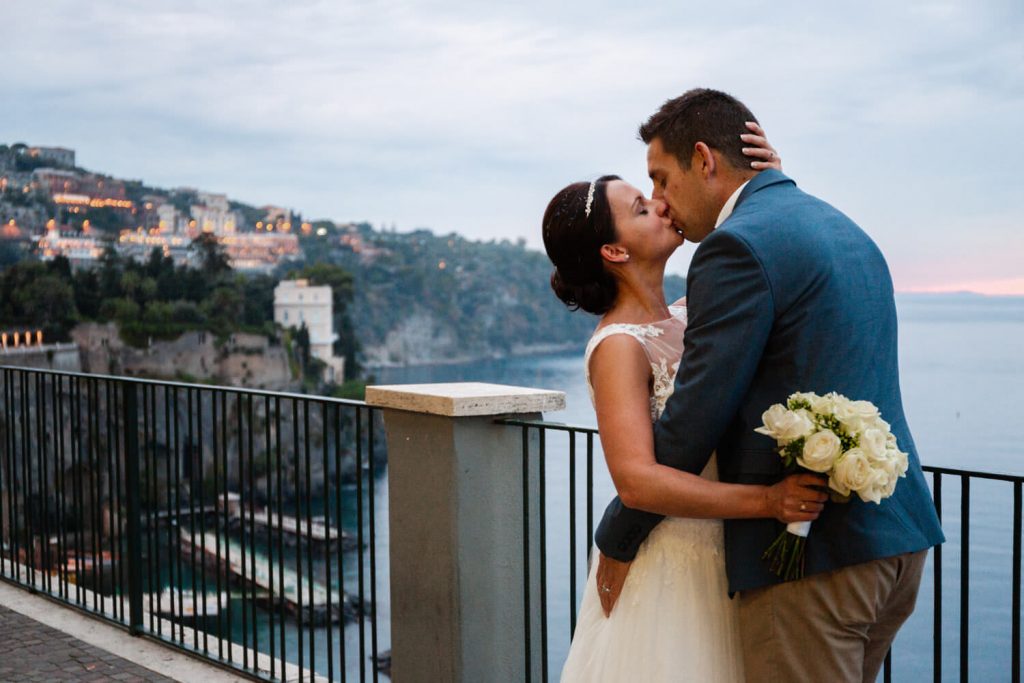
31 651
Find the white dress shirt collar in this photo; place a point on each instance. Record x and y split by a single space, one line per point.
730 204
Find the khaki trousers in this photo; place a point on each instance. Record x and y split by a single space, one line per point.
830 627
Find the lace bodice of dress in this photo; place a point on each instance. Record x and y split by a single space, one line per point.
662 342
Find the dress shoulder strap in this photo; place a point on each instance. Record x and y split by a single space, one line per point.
638 332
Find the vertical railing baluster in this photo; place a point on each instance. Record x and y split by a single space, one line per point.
131 443
965 568
280 531
542 495
252 531
62 542
370 446
116 454
309 537
937 586
5 481
268 508
298 539
342 595
572 532
1015 605
5 444
173 544
325 447
113 503
590 493
26 484
152 549
92 392
220 501
225 564
201 505
526 553
44 484
360 565
243 460
190 451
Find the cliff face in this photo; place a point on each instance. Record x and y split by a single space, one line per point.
245 360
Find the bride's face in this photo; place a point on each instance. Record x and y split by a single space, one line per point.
642 225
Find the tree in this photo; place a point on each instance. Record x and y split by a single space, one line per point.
47 303
213 259
87 293
223 309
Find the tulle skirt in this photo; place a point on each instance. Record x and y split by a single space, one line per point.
674 620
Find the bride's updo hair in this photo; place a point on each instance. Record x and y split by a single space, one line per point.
573 241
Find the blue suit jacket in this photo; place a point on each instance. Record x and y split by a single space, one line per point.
787 295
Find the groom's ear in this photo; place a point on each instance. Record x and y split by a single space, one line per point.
703 156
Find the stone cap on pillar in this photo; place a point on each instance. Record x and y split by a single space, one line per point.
464 399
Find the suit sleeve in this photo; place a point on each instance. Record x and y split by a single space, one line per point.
731 312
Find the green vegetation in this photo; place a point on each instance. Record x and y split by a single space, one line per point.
154 299
491 297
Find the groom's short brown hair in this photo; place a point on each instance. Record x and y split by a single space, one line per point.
700 115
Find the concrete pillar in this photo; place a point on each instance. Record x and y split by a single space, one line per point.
456 496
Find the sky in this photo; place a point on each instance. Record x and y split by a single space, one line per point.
467 117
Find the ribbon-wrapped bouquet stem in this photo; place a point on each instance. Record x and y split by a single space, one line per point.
847 441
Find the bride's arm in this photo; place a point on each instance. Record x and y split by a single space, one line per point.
620 375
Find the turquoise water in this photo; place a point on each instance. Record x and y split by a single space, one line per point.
962 374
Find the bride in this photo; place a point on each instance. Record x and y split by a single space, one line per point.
673 619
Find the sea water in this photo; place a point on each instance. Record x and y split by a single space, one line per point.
962 376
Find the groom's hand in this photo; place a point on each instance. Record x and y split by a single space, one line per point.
611 576
797 498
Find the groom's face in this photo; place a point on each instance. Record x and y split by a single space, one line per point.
683 190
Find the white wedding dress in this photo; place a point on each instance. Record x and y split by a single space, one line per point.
674 620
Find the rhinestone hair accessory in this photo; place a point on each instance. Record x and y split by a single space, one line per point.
590 198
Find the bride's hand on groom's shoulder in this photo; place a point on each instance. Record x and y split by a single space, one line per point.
611 576
797 498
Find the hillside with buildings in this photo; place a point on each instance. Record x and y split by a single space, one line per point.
81 247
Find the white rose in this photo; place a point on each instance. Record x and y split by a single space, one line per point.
900 460
785 425
820 451
852 472
805 397
874 443
856 415
826 405
879 486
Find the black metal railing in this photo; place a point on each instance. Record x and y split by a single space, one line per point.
239 525
919 637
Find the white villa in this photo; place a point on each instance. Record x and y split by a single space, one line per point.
295 303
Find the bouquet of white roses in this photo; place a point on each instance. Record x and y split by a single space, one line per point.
848 441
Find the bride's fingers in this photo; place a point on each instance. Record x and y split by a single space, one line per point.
755 127
760 152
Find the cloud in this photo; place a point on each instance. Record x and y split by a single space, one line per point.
468 117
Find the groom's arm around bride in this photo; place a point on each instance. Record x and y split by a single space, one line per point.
786 295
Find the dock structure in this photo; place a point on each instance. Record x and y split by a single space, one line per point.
292 598
314 530
185 606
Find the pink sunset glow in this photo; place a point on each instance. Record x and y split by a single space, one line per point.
1003 287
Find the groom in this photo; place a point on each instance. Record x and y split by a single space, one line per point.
785 294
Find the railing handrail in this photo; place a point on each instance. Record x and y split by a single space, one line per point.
933 469
190 385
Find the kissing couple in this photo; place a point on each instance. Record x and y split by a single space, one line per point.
785 294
